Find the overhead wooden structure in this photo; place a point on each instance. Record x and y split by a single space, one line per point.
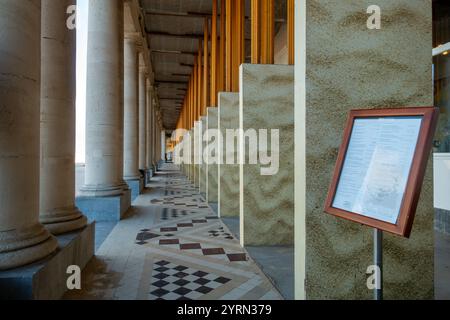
197 47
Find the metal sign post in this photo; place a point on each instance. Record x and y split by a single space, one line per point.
378 261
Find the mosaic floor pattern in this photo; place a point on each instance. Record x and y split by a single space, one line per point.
171 246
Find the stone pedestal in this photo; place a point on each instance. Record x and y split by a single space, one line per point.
212 168
47 279
229 168
112 208
136 187
358 68
23 239
267 201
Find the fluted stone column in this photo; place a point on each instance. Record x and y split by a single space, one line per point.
149 128
104 112
22 238
163 145
57 183
142 114
131 115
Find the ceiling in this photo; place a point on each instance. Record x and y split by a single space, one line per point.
173 29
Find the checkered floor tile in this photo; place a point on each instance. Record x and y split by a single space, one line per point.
176 282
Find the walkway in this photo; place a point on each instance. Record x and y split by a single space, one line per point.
172 246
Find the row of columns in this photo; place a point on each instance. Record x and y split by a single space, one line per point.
37 120
218 70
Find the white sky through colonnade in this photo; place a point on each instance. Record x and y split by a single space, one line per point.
82 23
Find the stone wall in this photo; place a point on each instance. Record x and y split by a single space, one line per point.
349 66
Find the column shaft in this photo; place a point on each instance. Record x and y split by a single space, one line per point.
22 238
104 98
57 183
142 114
131 123
149 124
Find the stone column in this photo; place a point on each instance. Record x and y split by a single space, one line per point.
266 118
149 128
104 110
163 145
153 134
229 153
57 183
131 113
142 114
22 238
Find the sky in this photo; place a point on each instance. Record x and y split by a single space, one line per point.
82 22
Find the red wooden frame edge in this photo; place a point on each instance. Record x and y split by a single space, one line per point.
416 175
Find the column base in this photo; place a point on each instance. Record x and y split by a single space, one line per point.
64 221
105 208
22 247
136 186
47 279
148 175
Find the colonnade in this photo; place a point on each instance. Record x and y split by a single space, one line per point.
37 122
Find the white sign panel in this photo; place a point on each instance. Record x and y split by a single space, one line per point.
377 166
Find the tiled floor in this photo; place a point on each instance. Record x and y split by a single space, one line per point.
172 246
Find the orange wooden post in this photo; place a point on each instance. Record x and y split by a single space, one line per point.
229 46
237 40
223 27
199 81
291 31
205 79
256 31
267 31
214 56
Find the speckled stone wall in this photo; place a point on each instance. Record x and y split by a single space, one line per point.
202 173
213 173
229 173
197 151
191 164
349 66
267 202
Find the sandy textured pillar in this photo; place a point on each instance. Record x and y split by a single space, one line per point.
104 108
362 68
197 150
22 238
57 183
142 113
266 176
131 115
202 174
213 172
229 168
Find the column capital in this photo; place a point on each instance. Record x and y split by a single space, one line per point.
136 37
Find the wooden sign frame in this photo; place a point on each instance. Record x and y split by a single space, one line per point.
416 175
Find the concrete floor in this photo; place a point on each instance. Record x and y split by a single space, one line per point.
276 262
